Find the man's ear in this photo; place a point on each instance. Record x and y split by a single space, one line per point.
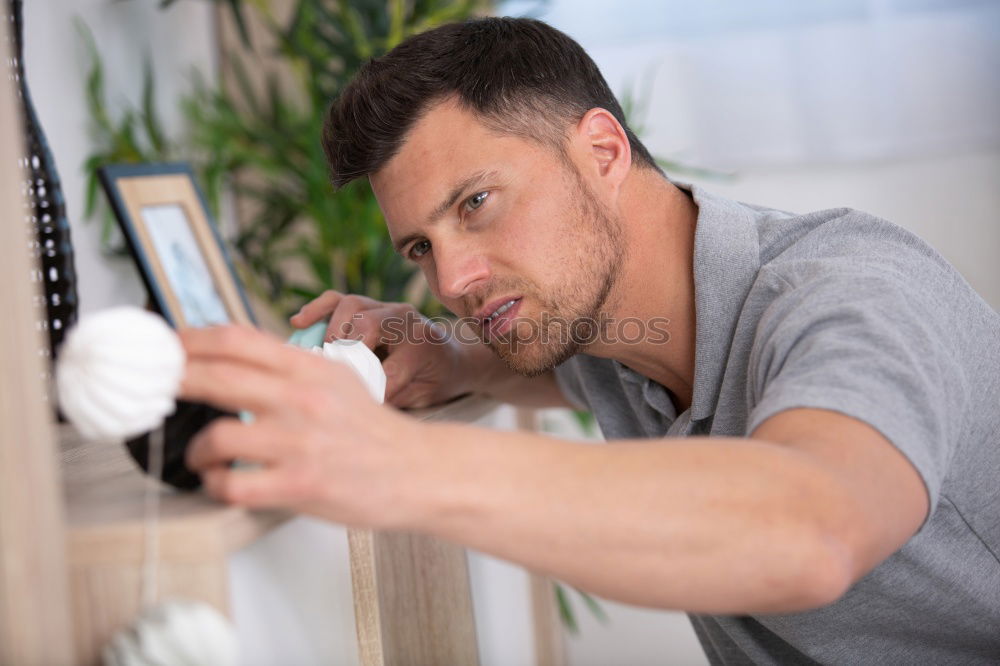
606 145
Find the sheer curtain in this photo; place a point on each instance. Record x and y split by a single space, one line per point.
731 84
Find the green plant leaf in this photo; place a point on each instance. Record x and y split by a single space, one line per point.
150 120
585 420
595 608
95 79
236 9
566 610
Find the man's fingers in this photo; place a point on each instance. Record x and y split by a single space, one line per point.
243 345
235 342
316 309
412 396
400 366
254 488
226 439
374 327
234 386
358 316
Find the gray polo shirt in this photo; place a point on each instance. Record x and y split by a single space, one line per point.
841 310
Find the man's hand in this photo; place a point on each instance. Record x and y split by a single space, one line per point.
424 364
324 447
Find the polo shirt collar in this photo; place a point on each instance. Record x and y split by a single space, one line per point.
726 262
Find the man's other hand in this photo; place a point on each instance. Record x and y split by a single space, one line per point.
425 362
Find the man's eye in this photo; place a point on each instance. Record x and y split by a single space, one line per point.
419 249
476 200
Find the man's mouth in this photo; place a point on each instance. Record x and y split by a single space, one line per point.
496 318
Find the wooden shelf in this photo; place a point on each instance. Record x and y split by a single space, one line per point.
104 493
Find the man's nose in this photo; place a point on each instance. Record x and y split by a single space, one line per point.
459 271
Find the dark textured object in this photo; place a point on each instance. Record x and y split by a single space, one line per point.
45 207
180 427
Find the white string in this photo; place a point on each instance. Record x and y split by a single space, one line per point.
151 526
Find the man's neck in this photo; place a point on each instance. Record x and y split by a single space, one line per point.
656 283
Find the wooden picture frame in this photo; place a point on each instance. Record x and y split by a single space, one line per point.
176 245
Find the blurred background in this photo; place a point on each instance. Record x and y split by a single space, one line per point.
889 106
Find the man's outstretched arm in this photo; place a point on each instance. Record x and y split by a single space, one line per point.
781 522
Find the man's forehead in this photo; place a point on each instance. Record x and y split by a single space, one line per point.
444 147
440 136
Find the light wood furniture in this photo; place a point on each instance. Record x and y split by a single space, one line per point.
34 617
549 639
412 600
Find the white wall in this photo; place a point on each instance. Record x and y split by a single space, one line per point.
291 597
56 64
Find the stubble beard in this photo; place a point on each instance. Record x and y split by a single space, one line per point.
575 304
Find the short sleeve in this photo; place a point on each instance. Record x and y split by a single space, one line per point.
872 349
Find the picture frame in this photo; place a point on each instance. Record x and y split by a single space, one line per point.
175 244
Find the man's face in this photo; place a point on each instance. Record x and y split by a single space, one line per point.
505 231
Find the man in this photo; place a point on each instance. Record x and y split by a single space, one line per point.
805 461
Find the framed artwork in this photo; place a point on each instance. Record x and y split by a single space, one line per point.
177 248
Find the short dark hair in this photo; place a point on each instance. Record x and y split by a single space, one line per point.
521 76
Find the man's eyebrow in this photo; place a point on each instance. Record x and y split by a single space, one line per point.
445 204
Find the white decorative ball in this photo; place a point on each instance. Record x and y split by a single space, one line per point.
119 373
191 633
362 360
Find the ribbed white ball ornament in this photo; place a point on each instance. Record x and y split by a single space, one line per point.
119 372
180 632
